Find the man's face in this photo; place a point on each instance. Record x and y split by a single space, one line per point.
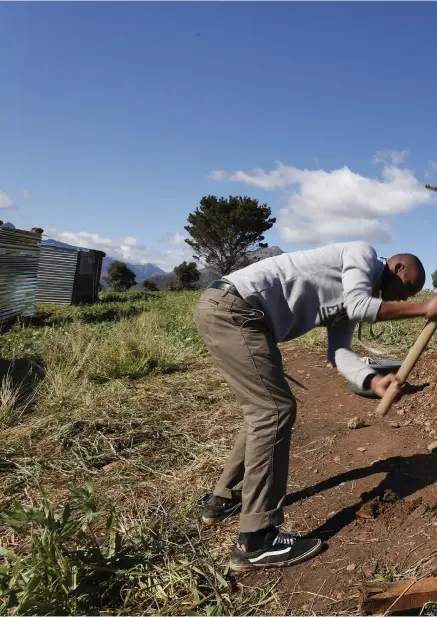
403 282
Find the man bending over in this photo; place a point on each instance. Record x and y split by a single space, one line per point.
242 319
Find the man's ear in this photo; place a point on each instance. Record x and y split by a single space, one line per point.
398 268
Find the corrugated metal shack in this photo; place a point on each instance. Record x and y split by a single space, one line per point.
19 257
68 275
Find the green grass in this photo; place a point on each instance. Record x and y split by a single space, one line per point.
163 320
126 296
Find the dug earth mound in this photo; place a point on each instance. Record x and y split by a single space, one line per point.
370 493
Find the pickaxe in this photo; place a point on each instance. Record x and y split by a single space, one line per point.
407 366
412 357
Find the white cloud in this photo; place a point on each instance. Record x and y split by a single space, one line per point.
218 176
390 156
323 207
5 201
176 238
126 249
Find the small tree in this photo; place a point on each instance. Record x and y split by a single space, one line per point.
174 285
434 279
186 277
223 230
119 277
150 285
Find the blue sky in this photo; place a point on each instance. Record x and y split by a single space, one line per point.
115 119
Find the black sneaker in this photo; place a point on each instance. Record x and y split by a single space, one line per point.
218 508
274 549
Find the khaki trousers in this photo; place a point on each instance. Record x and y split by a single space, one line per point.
241 343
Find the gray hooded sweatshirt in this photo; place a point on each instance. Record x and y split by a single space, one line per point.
335 286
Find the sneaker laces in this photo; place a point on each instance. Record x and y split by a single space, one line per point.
284 538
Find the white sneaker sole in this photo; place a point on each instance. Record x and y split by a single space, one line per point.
240 567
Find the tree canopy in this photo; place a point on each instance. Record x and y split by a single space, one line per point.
186 277
119 277
223 230
150 285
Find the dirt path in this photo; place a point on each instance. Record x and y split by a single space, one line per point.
335 470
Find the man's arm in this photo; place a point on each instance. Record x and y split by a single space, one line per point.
405 310
349 364
359 265
340 355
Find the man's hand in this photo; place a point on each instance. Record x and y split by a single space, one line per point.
380 385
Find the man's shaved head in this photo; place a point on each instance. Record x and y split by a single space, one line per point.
403 278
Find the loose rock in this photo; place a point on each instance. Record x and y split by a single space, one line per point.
351 567
432 447
395 424
355 423
364 449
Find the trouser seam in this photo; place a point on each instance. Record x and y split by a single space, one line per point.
276 410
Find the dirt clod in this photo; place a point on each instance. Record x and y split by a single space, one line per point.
432 447
369 510
369 571
356 422
378 505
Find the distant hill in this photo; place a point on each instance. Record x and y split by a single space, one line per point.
64 245
142 271
207 275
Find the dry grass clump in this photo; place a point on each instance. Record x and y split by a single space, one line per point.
102 472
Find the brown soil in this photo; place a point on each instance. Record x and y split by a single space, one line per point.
370 493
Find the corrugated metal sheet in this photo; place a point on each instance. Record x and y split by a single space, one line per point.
19 256
86 284
56 274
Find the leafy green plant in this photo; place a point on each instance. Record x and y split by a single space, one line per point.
69 567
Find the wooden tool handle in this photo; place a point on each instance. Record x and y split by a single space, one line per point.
407 366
